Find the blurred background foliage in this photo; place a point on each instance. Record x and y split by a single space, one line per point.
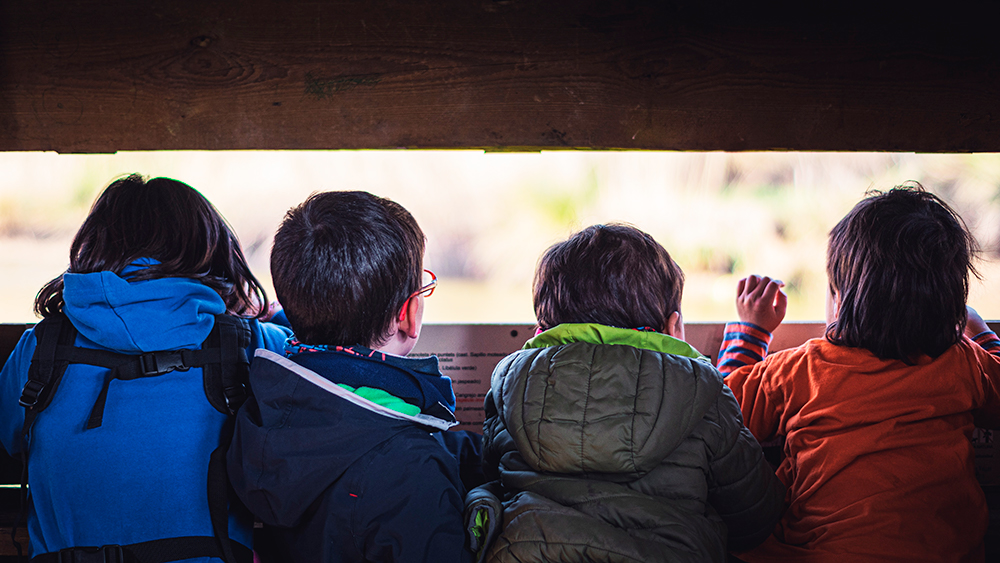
489 216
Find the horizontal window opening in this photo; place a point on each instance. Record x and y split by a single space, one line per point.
489 216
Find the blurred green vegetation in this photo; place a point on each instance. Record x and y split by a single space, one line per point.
488 217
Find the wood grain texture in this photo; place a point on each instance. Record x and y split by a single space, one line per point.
102 76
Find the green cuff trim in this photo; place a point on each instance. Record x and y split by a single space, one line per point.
479 529
383 398
600 334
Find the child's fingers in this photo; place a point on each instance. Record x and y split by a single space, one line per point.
740 286
761 301
770 292
752 284
761 290
781 302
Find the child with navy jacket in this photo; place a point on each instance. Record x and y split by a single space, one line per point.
342 454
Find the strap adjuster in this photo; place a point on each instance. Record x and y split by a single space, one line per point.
103 554
31 393
159 363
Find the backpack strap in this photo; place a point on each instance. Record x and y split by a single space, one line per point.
46 369
44 375
225 369
220 494
226 374
227 387
222 357
155 551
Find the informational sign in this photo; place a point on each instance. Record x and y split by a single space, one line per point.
467 353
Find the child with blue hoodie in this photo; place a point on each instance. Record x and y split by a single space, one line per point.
118 457
341 452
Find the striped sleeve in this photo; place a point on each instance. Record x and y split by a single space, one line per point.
744 344
988 341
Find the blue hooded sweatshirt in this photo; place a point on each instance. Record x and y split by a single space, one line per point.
337 477
142 474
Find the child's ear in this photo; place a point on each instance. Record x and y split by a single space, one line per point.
675 325
411 317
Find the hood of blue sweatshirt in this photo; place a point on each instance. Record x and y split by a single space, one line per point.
142 316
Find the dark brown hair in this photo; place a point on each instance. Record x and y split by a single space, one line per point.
614 275
899 263
343 265
170 222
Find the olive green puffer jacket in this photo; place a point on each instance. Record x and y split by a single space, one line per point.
619 445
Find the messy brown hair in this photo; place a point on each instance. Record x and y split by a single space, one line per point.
899 263
615 275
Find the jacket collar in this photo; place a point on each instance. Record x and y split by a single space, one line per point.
567 333
438 419
417 381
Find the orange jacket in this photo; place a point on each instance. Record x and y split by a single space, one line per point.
877 455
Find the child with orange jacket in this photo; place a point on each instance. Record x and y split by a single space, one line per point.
877 416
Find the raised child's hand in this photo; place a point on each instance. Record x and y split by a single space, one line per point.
759 300
974 324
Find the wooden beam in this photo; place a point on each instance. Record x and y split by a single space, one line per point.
109 75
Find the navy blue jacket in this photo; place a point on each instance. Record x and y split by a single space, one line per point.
340 478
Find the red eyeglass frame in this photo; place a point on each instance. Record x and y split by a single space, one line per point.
428 289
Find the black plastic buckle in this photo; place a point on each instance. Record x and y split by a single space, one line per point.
103 554
31 393
159 363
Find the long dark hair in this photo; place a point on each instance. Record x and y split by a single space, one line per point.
170 222
614 275
900 263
